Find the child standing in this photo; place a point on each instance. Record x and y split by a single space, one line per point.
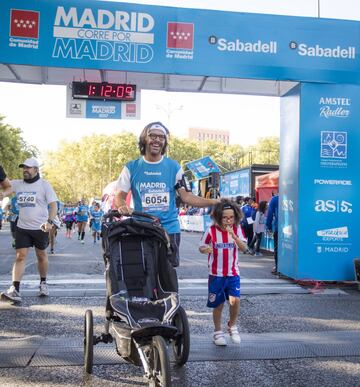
221 242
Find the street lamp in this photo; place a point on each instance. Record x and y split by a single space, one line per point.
169 110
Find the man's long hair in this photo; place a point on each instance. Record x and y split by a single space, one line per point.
144 133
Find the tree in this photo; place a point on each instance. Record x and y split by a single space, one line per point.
13 149
82 169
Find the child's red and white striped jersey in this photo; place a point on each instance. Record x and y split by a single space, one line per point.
224 259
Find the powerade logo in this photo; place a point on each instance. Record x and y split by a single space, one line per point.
103 35
318 51
333 206
334 107
332 182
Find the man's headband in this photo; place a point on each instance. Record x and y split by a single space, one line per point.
157 127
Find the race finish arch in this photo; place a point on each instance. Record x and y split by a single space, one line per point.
313 64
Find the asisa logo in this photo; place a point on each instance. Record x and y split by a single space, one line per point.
339 206
337 233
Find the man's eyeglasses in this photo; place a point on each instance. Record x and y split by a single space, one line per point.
154 136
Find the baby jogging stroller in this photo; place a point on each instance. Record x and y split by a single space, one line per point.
143 313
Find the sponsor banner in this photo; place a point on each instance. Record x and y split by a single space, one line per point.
202 167
289 184
192 223
235 183
329 181
143 38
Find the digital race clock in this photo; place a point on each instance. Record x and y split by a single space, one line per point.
104 91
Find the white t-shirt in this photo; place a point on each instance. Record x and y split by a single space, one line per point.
33 200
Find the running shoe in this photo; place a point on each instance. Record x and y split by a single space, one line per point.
258 255
11 295
98 237
52 251
234 334
82 242
219 338
43 290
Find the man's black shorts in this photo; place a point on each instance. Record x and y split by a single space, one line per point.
29 238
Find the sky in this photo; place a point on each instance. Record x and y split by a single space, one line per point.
40 110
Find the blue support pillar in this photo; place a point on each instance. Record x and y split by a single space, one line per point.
319 178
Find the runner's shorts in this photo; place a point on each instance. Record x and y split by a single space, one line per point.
29 238
96 227
220 288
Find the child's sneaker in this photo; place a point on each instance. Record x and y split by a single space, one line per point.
219 338
234 334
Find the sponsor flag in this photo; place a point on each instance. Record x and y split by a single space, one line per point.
180 35
24 24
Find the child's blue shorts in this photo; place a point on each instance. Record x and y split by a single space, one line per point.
220 288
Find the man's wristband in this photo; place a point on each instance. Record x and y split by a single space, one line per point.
50 221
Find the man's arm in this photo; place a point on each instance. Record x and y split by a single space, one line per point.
52 210
196 201
120 203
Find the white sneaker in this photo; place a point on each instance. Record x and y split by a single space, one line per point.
219 338
43 290
234 334
11 295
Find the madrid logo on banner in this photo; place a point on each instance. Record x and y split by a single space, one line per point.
24 24
180 40
180 35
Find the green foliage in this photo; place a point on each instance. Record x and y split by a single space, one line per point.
83 169
13 149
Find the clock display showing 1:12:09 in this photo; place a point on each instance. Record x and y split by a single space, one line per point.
104 91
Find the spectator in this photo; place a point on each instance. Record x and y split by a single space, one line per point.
272 226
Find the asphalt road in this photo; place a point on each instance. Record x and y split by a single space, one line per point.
290 338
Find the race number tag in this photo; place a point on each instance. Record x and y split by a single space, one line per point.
26 199
155 201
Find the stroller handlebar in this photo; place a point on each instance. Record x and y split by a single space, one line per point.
116 214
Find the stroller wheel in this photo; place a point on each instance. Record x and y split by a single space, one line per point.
181 344
88 341
159 363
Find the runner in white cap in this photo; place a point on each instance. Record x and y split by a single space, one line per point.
34 195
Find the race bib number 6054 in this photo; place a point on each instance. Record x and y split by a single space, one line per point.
155 201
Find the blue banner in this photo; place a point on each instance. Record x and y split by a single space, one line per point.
142 38
319 212
202 167
235 183
103 109
329 180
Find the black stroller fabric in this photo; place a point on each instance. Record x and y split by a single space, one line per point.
141 283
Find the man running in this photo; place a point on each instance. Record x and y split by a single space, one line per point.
153 180
34 195
82 217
